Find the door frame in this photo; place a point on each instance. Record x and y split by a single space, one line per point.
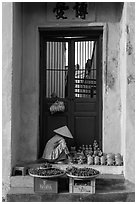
94 28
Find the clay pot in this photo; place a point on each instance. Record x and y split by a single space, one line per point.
95 152
100 153
118 155
90 160
103 160
118 162
110 161
110 155
96 160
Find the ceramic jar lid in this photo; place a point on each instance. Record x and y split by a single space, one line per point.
110 155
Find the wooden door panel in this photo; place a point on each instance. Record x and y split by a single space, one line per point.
85 129
85 106
76 79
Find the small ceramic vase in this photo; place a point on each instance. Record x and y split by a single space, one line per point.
110 155
95 152
103 160
96 160
118 155
90 160
110 161
118 162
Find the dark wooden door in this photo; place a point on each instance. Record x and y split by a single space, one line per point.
70 67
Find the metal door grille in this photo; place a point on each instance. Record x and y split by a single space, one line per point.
85 69
57 69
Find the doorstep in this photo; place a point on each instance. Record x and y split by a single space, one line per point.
28 181
109 188
105 171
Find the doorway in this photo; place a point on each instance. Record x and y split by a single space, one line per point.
70 71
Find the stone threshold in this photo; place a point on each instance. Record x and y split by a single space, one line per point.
109 188
109 197
105 171
28 181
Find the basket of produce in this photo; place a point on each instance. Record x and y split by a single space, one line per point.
81 173
58 106
46 172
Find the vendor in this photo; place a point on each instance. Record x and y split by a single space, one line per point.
56 149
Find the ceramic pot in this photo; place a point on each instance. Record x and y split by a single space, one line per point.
90 160
95 152
96 160
110 161
118 162
118 155
110 155
103 160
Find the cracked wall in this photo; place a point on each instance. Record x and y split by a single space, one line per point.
118 101
112 99
35 15
130 94
6 94
127 86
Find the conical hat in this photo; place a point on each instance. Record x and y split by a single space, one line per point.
64 131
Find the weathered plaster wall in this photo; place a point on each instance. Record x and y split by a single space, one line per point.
119 83
112 101
16 81
123 81
34 15
127 78
97 12
130 94
7 21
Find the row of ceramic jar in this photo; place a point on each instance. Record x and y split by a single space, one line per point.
108 159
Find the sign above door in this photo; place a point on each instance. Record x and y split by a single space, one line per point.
80 9
70 11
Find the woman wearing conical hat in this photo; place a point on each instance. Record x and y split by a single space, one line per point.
56 149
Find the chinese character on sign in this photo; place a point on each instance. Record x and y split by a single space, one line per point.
81 10
59 10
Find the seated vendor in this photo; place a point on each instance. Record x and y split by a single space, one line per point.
56 149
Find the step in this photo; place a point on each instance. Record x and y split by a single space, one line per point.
109 188
27 195
28 181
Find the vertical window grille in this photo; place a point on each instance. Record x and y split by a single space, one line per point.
56 68
85 69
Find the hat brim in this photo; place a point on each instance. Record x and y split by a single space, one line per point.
64 131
